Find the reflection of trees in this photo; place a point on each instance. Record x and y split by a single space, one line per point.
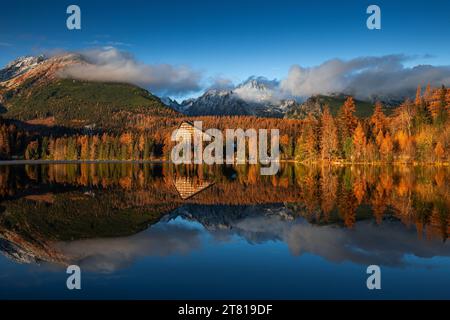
347 204
417 196
329 187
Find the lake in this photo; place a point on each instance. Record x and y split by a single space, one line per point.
157 231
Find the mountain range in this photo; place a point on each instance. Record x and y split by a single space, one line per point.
36 89
255 96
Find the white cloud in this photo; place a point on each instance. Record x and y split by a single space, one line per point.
254 89
221 83
384 77
364 77
110 64
259 89
110 254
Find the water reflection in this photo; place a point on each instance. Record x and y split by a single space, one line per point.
104 217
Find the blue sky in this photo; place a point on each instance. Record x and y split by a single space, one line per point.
232 39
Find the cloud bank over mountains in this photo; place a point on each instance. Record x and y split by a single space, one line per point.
384 77
364 245
110 64
365 77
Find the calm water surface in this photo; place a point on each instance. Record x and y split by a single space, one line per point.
164 232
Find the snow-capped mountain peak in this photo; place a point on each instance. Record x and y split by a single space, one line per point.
20 66
255 96
259 83
258 90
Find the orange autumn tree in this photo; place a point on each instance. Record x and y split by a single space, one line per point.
387 147
141 145
418 100
402 118
439 151
347 118
126 140
447 102
359 142
93 150
84 150
427 95
285 144
379 138
307 143
437 104
378 119
347 125
329 137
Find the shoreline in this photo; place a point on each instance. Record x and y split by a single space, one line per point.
162 161
14 162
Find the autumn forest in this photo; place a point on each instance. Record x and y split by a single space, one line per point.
414 132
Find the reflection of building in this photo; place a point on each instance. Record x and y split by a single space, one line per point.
188 187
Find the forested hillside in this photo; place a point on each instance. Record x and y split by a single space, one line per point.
76 103
415 131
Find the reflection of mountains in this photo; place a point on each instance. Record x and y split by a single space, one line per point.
100 216
222 217
387 244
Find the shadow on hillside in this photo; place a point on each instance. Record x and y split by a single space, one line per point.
55 131
2 109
